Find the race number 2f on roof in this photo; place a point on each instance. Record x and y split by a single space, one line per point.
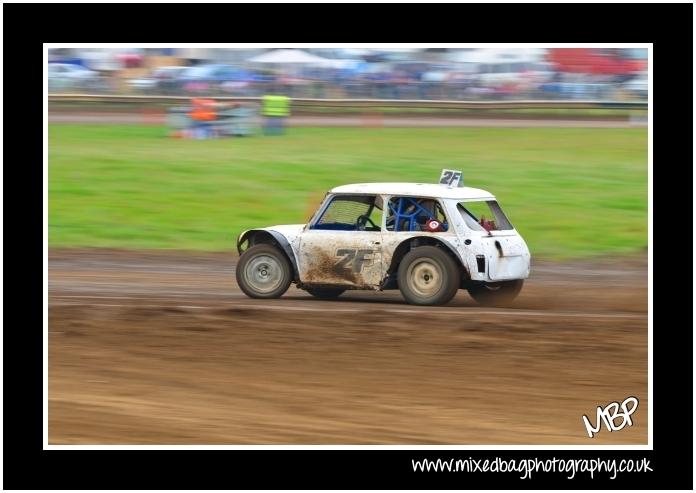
452 178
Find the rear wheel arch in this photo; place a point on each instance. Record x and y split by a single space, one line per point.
254 237
409 244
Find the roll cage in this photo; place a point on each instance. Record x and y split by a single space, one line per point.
408 210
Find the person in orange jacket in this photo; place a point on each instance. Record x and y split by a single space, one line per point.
203 114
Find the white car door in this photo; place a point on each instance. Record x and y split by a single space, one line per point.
343 244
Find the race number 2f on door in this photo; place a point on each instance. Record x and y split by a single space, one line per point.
451 177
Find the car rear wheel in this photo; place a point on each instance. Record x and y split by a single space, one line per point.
428 276
263 271
496 293
325 293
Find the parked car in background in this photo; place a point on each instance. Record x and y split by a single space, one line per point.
577 90
161 80
66 76
211 78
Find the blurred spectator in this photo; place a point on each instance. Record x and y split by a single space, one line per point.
481 73
203 117
275 110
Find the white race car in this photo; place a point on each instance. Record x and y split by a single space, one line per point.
427 240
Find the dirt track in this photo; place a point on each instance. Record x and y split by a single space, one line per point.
163 348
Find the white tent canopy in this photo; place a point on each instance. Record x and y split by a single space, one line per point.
342 64
398 50
499 56
354 52
288 56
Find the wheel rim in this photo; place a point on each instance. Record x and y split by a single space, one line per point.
425 278
263 273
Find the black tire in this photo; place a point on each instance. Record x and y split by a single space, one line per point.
496 293
325 293
428 275
263 271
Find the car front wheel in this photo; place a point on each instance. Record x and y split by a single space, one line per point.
263 271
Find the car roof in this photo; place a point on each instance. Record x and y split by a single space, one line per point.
415 189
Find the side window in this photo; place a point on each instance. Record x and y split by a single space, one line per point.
415 214
484 216
351 213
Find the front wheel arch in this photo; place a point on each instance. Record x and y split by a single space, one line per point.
263 236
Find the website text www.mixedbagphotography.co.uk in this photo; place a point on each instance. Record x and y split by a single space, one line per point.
527 467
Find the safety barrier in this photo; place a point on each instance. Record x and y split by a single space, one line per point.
366 103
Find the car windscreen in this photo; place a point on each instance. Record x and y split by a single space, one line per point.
349 213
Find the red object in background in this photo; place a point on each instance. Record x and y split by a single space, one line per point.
130 60
594 61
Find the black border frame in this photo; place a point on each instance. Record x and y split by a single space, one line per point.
27 26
